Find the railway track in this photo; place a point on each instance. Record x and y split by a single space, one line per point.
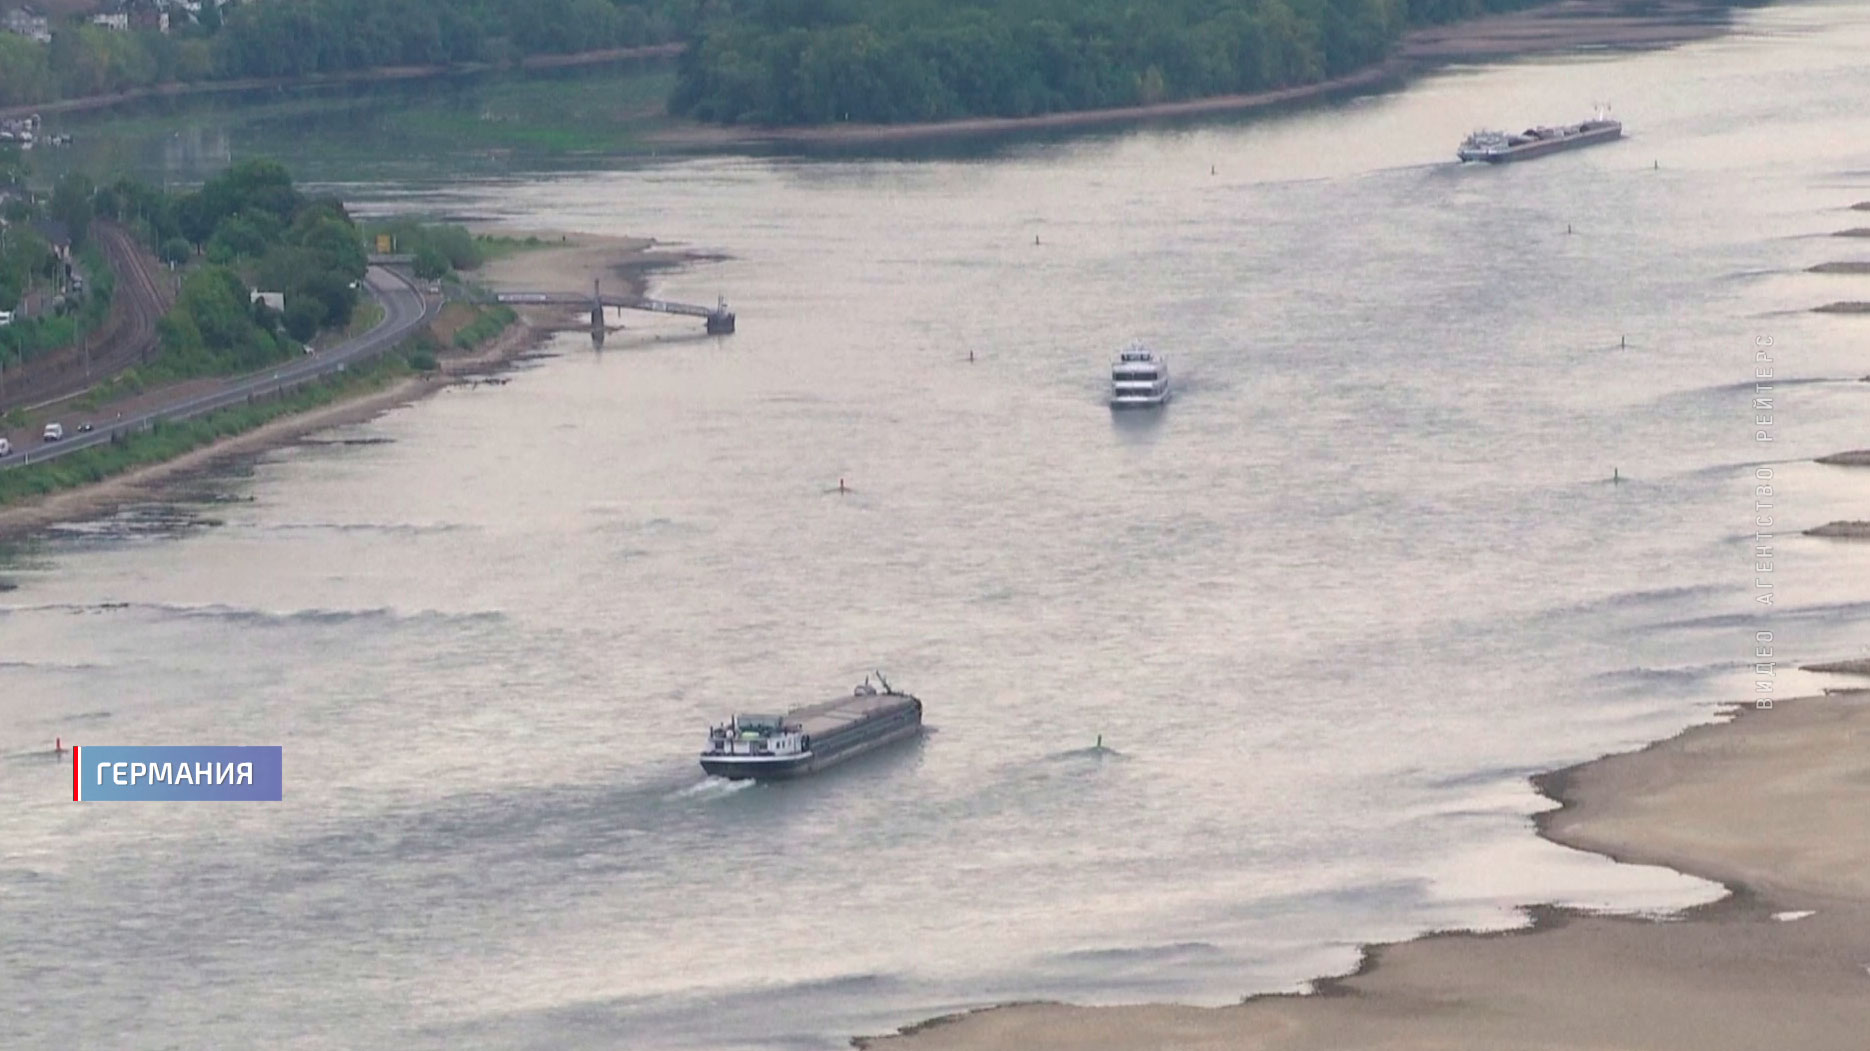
127 336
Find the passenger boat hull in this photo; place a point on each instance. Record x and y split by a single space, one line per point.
1149 402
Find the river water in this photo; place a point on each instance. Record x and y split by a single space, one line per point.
1328 609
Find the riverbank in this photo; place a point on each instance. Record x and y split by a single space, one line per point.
1562 26
1558 26
567 265
386 74
158 481
1771 803
571 262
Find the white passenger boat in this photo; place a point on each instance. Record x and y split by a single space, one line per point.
1139 378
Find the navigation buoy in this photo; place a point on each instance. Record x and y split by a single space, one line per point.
1100 742
1035 238
1212 170
1623 341
58 746
970 355
1615 478
1567 227
841 487
1656 165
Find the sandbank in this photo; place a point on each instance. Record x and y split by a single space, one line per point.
1772 804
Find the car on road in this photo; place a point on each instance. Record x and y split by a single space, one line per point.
85 427
53 432
6 317
5 447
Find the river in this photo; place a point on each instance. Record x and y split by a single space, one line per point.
1328 609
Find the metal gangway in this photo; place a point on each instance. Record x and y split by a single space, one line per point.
720 320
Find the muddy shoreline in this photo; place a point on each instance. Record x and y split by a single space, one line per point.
1764 803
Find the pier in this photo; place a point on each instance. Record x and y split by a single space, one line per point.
719 319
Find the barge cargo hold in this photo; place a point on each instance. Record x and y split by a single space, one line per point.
808 739
1497 147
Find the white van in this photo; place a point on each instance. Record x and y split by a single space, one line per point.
5 447
54 432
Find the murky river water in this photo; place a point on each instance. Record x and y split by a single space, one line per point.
1329 608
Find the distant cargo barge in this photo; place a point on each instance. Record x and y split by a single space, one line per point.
808 739
1496 147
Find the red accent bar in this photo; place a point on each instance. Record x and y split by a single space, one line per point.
74 773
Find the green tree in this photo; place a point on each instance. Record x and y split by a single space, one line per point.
430 263
335 293
337 246
304 315
243 236
71 204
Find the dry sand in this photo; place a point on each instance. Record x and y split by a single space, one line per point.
1775 805
568 263
620 265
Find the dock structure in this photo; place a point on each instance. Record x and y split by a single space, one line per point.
719 319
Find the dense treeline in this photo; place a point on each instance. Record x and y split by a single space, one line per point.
292 37
438 248
268 38
29 261
778 61
246 228
817 61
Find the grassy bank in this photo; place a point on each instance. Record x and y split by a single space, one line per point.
490 323
167 440
476 327
500 246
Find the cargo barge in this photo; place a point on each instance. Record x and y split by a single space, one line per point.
1497 147
808 739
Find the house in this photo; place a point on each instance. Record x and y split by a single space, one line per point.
19 129
124 15
29 22
275 300
147 15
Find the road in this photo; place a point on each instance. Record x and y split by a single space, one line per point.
404 310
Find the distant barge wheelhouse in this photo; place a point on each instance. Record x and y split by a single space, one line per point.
808 739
